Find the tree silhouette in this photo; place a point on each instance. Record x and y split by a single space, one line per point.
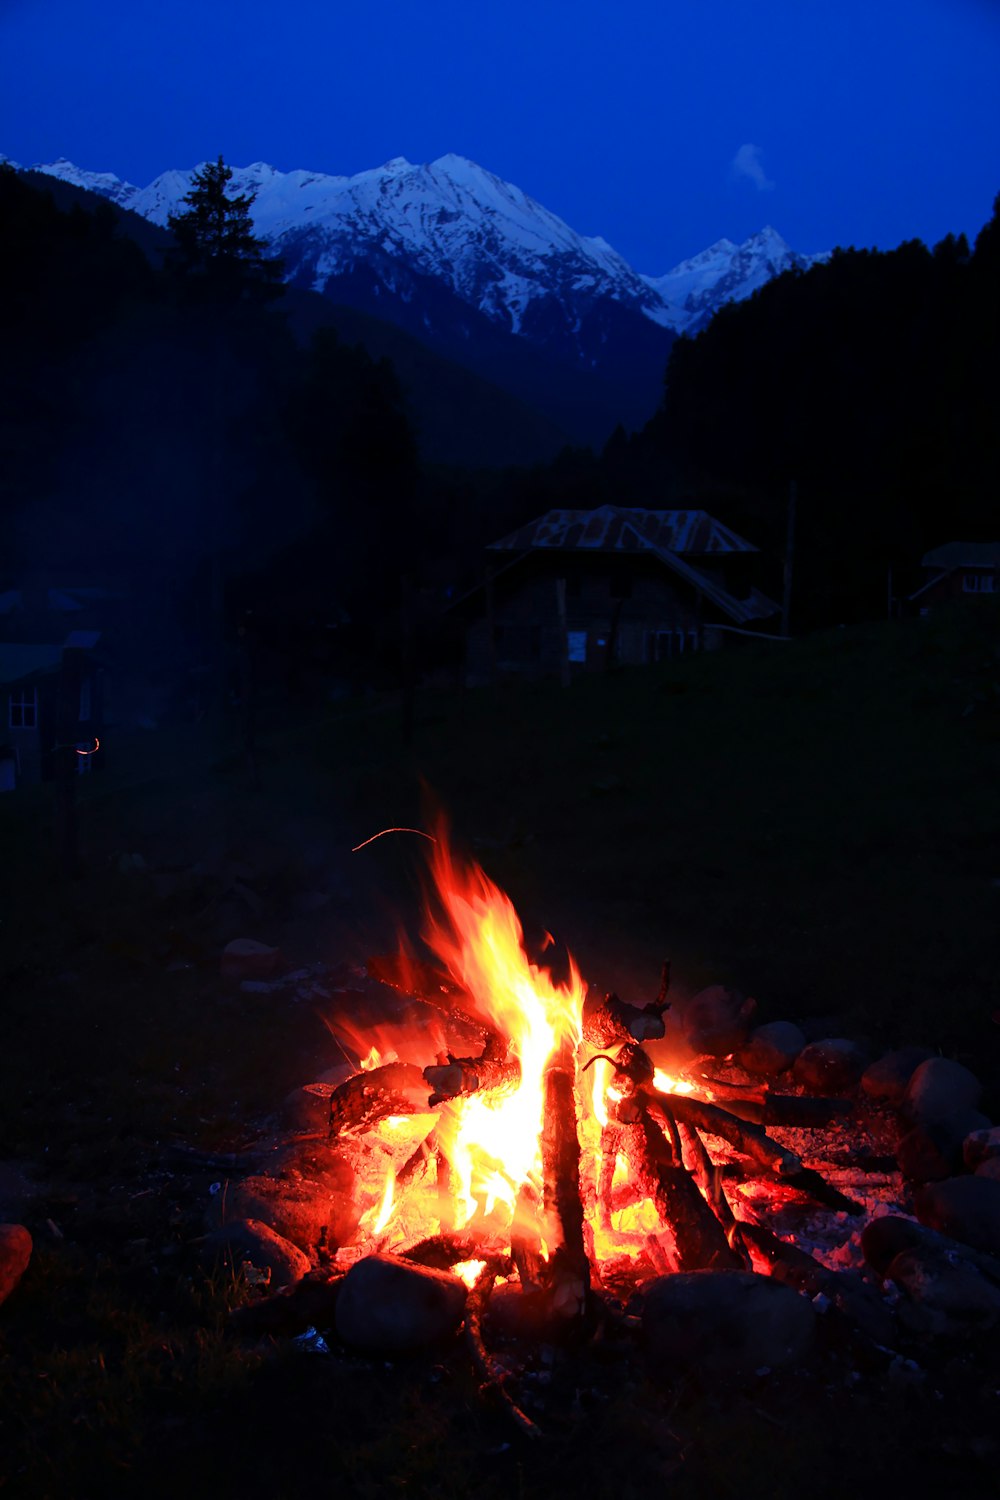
215 246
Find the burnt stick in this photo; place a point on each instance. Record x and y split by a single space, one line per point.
364 1099
699 1238
749 1139
568 1274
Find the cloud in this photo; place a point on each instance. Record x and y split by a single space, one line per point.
747 163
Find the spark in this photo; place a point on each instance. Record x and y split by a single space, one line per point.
382 833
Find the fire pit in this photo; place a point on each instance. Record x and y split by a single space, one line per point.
520 1161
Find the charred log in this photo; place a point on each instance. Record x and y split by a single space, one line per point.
568 1271
526 1240
495 1378
749 1139
494 1071
608 1021
442 1251
709 1180
789 1109
361 1101
699 1239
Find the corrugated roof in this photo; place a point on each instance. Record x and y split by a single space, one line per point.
963 555
617 528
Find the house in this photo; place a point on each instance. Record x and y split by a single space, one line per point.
578 589
958 570
52 685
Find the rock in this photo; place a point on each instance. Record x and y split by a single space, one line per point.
724 1324
15 1253
981 1145
940 1089
932 1150
311 1214
245 958
249 1240
388 1306
884 1238
886 1079
968 1208
989 1168
717 1021
772 1049
946 1296
308 1107
516 1313
828 1065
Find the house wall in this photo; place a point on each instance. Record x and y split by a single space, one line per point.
630 603
963 583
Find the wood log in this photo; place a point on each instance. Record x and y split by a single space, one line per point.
814 1185
749 1139
567 1275
526 1238
699 1239
442 1251
608 1021
611 1144
789 1109
709 1180
362 1100
494 1071
494 1376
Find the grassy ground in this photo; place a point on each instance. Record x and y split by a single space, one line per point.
818 823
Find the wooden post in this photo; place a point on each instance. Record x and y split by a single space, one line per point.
491 644
564 673
786 596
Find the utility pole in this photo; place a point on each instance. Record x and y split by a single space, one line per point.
786 595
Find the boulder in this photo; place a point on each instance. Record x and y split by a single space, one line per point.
388 1306
248 1240
945 1296
717 1021
886 1079
932 1150
245 958
885 1237
313 1215
989 1168
829 1065
724 1325
772 1049
15 1253
940 1089
982 1145
967 1208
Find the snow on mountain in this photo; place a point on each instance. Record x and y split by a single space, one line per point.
491 245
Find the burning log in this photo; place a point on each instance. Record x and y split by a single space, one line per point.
494 1071
749 1139
525 1239
608 1021
442 1251
364 1099
699 1238
709 1180
788 1109
568 1273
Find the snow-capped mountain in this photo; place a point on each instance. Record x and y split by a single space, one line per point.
483 239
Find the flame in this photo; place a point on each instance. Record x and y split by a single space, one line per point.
470 1271
371 1061
385 1207
474 930
670 1085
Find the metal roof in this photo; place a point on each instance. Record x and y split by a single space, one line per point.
614 529
963 555
617 528
17 660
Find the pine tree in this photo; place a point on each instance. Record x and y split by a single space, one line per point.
215 246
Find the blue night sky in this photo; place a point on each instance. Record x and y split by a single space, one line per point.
659 126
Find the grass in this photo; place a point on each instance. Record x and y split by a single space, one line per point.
818 823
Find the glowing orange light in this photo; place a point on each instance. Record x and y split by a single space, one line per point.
470 1271
96 747
670 1085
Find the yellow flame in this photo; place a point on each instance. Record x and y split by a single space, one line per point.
469 1271
385 1208
667 1084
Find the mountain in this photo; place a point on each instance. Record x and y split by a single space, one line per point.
482 273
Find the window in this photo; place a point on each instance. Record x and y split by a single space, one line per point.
577 645
24 708
978 583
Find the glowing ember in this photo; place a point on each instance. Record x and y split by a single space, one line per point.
470 1271
669 1085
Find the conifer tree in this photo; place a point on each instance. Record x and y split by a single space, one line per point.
214 240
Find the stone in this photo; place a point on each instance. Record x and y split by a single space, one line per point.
388 1306
313 1215
831 1064
717 1021
772 1049
725 1325
886 1079
15 1253
945 1296
308 1108
939 1089
885 1237
932 1150
981 1145
245 958
989 1168
249 1240
967 1208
